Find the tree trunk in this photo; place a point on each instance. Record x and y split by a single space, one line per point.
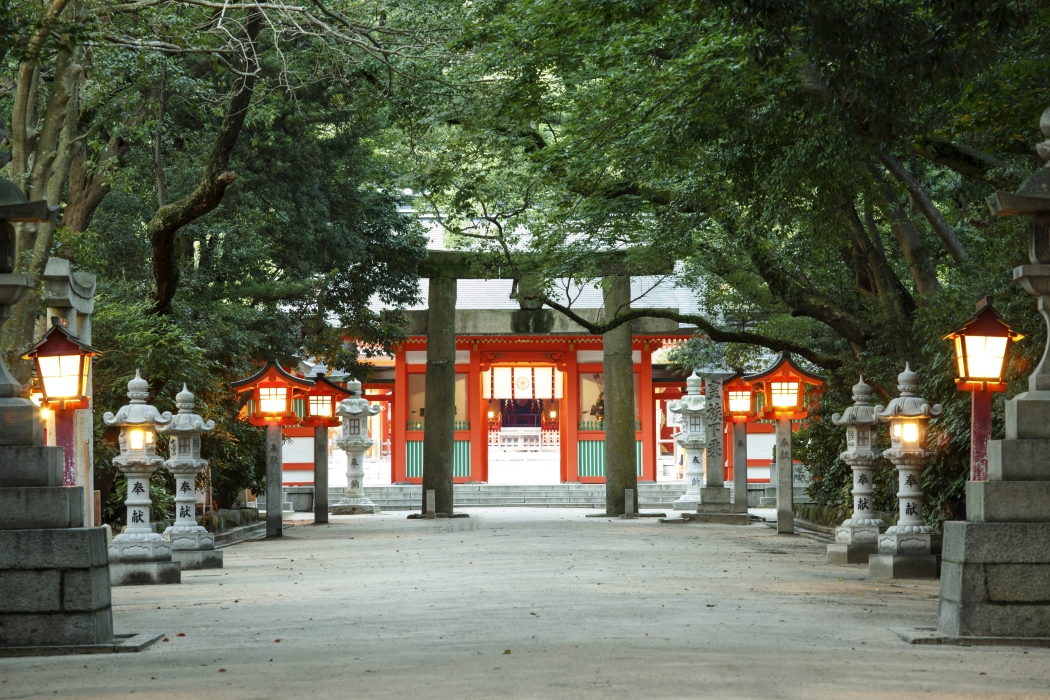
620 460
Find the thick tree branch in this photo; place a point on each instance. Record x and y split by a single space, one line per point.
209 193
966 161
805 301
922 271
712 331
926 206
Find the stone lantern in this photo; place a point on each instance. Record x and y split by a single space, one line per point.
139 555
191 545
858 537
353 439
906 549
692 440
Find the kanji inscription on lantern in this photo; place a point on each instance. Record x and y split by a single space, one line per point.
138 488
136 516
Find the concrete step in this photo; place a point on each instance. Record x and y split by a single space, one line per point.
409 497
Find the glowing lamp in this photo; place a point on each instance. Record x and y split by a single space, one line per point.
782 386
63 366
492 415
982 344
554 414
273 390
322 402
784 395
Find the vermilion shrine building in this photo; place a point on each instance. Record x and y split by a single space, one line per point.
528 396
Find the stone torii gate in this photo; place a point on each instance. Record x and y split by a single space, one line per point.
444 269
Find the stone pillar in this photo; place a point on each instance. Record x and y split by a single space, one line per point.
353 439
858 537
321 474
785 479
55 571
440 400
274 480
740 467
139 555
621 470
715 506
906 550
191 545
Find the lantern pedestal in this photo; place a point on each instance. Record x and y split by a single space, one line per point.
54 570
857 538
139 556
692 440
191 545
354 440
997 564
693 449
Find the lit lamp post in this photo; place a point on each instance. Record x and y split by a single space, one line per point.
271 407
1008 516
906 549
858 537
692 440
192 545
783 384
322 401
63 367
739 405
353 439
982 344
140 555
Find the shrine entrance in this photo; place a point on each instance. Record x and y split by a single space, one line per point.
524 429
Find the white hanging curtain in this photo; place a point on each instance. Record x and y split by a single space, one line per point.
502 382
544 382
522 383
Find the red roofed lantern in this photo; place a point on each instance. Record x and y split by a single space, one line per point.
982 344
63 366
273 390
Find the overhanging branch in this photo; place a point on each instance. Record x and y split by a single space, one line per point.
712 331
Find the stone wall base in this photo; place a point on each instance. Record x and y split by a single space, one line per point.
884 566
839 554
145 573
198 558
354 509
719 518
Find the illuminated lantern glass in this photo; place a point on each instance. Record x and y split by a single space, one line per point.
910 432
321 406
784 394
136 439
273 399
554 414
61 375
984 356
740 401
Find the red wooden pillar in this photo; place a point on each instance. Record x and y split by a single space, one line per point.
570 467
400 419
479 468
647 414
